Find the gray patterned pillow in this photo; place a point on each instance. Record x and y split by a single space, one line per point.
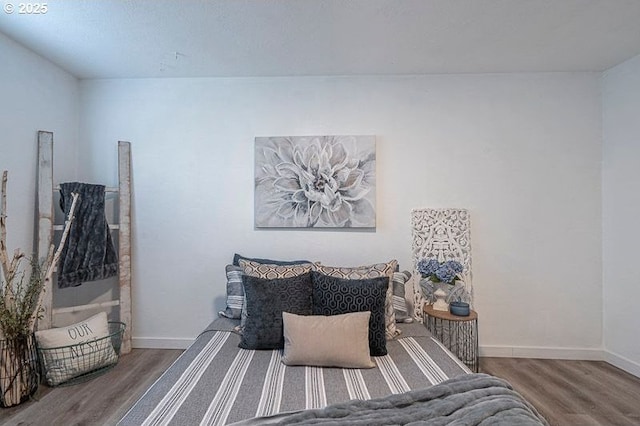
267 299
335 296
270 271
235 293
371 271
399 296
238 257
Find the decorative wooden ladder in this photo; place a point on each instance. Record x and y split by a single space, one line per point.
46 228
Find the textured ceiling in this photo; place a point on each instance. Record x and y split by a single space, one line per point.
202 38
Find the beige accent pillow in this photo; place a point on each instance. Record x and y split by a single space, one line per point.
327 341
89 352
369 271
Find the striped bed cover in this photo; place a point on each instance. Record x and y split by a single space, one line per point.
216 383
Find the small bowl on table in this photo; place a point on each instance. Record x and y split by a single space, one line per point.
460 309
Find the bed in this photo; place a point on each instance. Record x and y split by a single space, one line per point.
415 381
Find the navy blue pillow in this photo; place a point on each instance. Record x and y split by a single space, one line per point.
334 296
266 300
237 257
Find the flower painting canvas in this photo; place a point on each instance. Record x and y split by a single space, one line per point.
315 182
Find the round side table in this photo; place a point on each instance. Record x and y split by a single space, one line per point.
458 334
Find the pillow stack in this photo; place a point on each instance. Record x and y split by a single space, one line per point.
235 292
335 296
320 315
365 272
269 291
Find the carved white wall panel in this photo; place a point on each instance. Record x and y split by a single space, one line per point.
443 234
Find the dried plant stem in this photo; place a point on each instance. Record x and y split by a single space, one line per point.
8 268
18 368
50 263
3 225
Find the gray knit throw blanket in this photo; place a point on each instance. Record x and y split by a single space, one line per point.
89 253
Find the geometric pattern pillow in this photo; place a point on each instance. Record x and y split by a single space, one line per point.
336 296
272 271
267 299
269 271
235 293
370 271
238 257
399 297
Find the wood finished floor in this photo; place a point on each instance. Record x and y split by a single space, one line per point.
101 401
581 393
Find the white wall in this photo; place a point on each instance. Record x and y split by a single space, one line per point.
34 95
621 209
521 151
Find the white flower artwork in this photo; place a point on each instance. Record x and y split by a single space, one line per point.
315 182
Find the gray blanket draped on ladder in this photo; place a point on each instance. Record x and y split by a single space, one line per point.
89 254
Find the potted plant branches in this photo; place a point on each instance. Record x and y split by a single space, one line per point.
22 284
434 274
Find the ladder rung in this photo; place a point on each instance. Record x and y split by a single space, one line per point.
106 189
61 227
80 308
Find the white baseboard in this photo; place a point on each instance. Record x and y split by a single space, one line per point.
542 353
160 343
623 363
